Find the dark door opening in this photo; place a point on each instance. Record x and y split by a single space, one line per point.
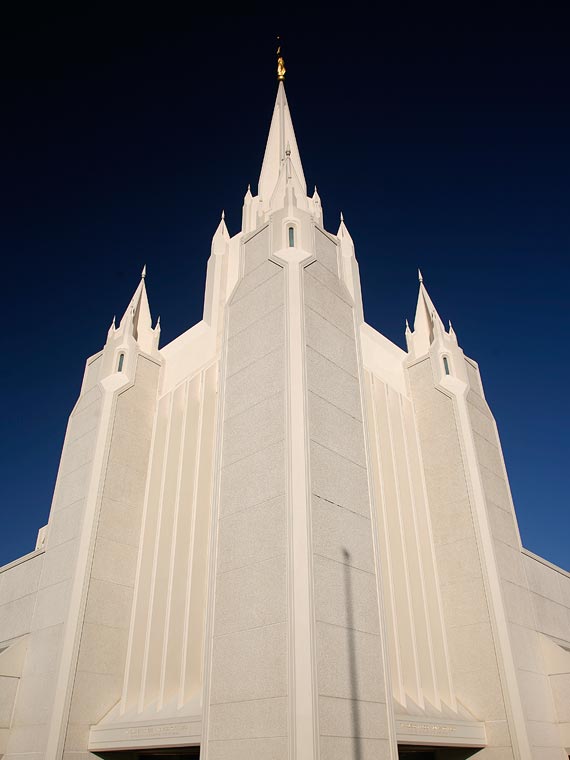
171 753
411 752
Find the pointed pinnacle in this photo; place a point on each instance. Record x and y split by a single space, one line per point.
341 217
143 273
157 325
113 322
420 278
223 214
407 326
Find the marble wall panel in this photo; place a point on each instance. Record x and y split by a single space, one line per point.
329 280
256 304
249 665
337 717
342 535
254 278
560 684
544 580
348 664
326 251
20 580
328 304
251 596
248 720
252 535
256 249
43 651
257 382
275 748
51 605
341 747
345 596
339 480
108 603
253 479
335 429
331 342
331 382
8 689
256 341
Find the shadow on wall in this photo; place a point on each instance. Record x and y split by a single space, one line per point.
352 666
404 751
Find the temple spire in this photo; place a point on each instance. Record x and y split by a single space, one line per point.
344 234
137 318
221 237
281 137
427 322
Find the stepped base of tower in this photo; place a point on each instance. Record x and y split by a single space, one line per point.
182 729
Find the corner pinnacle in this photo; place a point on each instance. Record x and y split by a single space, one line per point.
143 273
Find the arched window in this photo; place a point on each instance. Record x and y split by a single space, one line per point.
291 237
446 365
120 364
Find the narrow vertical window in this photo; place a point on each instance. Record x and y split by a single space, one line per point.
120 364
446 365
291 237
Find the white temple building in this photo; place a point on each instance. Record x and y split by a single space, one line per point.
281 536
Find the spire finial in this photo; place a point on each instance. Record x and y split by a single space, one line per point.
280 63
420 278
143 273
223 214
341 217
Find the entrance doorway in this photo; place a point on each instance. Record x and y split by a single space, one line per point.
411 752
173 753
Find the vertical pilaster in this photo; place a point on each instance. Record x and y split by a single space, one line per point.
304 740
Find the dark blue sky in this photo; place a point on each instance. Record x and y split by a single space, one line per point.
443 140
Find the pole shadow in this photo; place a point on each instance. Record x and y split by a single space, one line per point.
352 664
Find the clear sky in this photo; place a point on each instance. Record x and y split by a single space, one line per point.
443 140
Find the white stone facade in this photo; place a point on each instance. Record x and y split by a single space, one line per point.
281 536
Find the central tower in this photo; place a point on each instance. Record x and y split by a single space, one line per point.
295 663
